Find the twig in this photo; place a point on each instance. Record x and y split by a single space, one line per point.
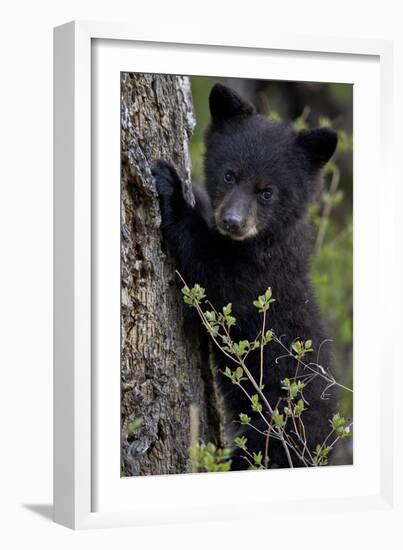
327 209
261 348
325 376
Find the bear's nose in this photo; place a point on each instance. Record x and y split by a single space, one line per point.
232 221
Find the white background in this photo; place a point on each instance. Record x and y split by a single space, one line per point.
26 252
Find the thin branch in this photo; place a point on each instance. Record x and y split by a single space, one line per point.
327 209
261 348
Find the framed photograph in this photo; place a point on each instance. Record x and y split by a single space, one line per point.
221 245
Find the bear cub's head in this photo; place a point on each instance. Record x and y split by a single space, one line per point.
260 175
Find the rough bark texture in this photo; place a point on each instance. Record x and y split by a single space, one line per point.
163 369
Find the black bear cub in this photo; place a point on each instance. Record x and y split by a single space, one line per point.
247 232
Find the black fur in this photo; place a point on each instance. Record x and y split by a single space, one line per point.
269 246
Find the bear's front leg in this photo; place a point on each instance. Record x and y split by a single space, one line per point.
170 191
184 230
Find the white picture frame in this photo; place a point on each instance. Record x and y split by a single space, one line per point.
88 490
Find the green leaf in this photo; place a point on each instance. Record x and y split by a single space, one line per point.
211 316
244 418
256 405
297 347
321 455
278 419
254 345
299 408
230 320
243 347
238 374
240 442
193 296
209 458
258 457
338 424
268 337
268 294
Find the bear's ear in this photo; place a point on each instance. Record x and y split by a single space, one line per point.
226 104
318 145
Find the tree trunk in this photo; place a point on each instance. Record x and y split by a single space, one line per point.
164 372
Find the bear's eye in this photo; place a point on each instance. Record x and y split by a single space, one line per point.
266 194
229 177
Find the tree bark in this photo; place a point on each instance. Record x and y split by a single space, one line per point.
164 371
